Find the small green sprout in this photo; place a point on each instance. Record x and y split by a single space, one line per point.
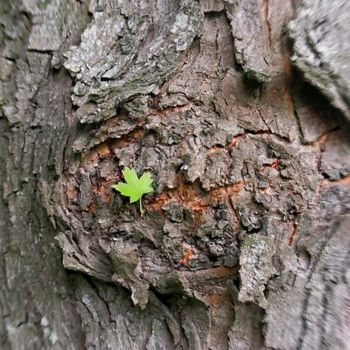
133 186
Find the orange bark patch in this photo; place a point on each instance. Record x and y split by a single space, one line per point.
102 190
187 256
322 139
219 297
288 101
124 141
215 149
235 140
91 208
71 191
164 112
100 151
265 15
343 181
214 299
287 64
292 234
183 194
273 165
91 157
192 197
224 192
209 274
103 150
233 143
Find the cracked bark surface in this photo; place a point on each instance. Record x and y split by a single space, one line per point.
244 244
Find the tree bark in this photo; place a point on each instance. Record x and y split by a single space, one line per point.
239 109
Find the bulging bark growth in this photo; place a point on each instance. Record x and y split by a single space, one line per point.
244 244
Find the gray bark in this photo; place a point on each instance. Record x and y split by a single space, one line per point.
245 242
321 32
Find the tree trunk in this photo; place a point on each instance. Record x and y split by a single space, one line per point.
245 241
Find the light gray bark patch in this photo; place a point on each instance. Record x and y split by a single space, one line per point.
284 312
322 48
256 268
327 287
48 30
328 301
245 332
129 57
212 5
250 38
45 37
307 303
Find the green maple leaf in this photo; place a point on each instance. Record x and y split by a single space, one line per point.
134 187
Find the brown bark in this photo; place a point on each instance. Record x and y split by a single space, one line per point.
244 243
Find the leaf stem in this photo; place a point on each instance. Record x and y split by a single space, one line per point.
141 209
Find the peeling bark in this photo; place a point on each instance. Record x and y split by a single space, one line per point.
244 243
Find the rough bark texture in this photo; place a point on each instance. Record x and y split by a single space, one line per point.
321 32
245 242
